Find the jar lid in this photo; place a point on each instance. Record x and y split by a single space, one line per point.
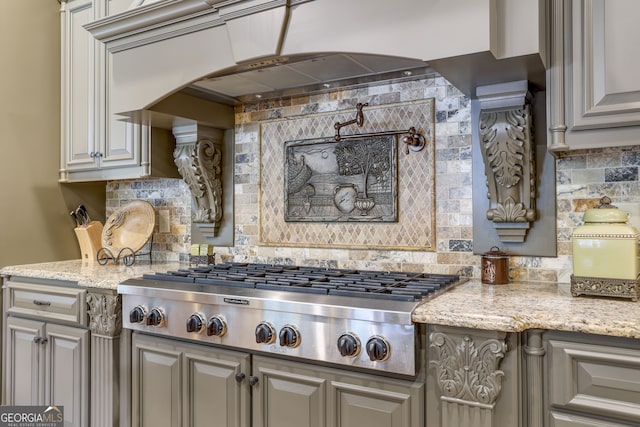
495 252
605 212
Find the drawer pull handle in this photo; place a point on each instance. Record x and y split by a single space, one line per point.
38 302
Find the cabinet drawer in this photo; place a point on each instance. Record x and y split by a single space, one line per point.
595 379
47 302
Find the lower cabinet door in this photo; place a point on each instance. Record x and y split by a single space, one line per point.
290 394
181 384
568 420
24 373
215 396
359 405
156 388
287 395
67 367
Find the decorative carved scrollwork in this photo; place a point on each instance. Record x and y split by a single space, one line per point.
506 143
105 314
468 372
199 162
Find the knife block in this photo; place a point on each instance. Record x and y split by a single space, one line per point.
90 240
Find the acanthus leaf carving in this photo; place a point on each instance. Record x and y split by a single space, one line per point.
105 314
199 163
467 371
508 151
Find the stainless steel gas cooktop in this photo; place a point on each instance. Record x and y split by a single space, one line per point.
346 317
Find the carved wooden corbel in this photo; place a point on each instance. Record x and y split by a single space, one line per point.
508 151
198 156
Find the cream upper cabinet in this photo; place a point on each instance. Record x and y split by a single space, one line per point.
95 143
592 85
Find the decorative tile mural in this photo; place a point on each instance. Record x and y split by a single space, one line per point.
353 180
415 225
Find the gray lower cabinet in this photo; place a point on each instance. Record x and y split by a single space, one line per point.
288 394
62 346
183 384
47 364
180 384
592 380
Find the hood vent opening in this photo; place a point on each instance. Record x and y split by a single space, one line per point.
305 75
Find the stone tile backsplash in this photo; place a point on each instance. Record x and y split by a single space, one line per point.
582 178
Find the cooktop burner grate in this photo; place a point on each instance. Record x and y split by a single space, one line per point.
398 286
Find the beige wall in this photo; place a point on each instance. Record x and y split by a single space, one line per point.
34 216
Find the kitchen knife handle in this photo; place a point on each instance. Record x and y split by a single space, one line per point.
38 302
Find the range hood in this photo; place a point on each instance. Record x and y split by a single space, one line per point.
183 64
304 75
232 50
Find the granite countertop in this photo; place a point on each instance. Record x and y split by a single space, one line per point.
88 274
516 307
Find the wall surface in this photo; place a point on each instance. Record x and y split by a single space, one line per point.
582 178
35 225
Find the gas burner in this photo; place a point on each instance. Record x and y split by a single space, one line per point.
397 286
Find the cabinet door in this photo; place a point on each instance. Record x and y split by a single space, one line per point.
604 75
558 419
156 383
358 405
287 395
24 362
78 134
67 372
214 395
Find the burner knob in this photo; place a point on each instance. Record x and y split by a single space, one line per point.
217 326
265 333
377 349
155 317
137 315
289 336
348 345
195 322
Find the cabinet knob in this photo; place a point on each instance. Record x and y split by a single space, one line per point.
40 340
253 381
240 376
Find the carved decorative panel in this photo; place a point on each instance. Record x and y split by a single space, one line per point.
467 371
105 314
198 156
415 225
506 144
350 180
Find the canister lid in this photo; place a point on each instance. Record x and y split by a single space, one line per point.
495 252
605 212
